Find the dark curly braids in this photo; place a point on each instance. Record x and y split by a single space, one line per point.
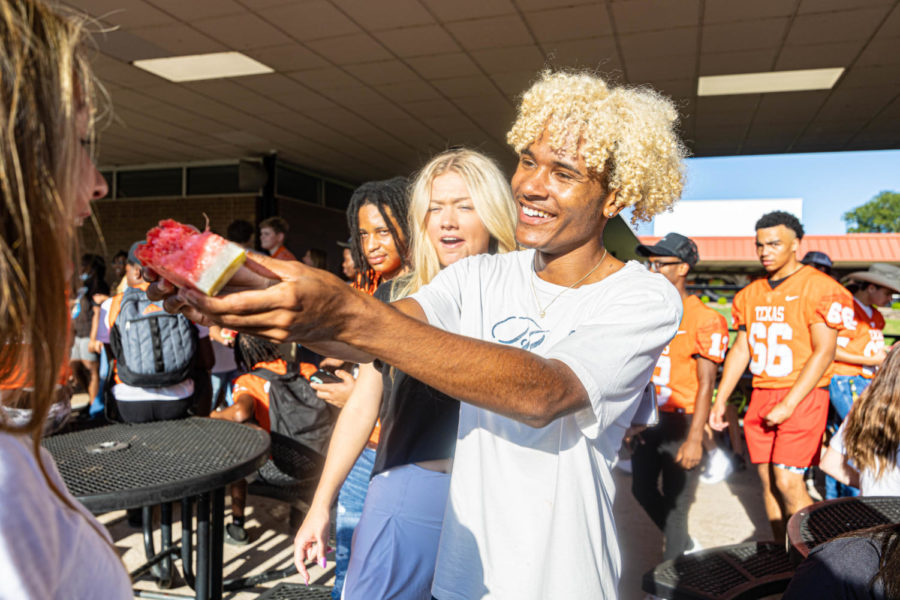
389 194
250 350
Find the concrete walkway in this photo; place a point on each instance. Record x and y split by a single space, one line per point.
725 513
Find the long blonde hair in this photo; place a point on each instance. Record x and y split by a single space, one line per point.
490 194
45 81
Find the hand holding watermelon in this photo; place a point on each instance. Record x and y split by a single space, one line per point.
188 258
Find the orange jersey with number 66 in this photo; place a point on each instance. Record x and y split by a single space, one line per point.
703 332
777 322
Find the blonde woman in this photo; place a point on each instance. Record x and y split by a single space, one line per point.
460 206
47 180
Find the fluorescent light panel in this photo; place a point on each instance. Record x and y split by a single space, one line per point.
773 81
196 67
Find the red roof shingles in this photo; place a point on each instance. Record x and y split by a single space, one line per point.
846 248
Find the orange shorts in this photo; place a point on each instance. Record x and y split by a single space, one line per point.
796 441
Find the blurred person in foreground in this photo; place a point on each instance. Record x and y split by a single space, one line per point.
48 182
548 349
685 377
787 323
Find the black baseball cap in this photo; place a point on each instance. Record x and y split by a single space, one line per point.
814 257
673 244
132 253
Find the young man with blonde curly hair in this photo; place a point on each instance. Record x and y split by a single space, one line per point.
549 349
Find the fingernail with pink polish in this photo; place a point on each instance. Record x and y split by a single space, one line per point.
322 562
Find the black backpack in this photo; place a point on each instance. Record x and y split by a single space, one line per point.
295 411
152 349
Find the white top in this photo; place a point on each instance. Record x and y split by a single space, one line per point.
530 510
129 393
889 482
48 550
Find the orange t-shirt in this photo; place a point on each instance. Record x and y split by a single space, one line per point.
777 322
703 332
283 253
865 339
258 388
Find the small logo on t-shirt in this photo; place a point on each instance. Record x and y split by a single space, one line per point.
789 298
519 331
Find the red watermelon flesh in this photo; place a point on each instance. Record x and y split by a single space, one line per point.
188 258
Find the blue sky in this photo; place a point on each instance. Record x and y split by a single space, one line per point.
830 183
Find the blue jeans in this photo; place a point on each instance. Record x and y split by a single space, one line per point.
97 404
225 378
843 390
351 500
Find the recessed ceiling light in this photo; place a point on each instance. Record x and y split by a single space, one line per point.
195 67
772 81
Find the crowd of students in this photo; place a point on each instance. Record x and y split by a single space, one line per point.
503 353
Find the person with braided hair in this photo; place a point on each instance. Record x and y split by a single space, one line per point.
548 349
379 234
376 219
460 206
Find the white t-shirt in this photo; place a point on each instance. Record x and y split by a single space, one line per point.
48 550
130 393
530 510
889 482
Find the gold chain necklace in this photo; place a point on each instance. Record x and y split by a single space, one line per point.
543 311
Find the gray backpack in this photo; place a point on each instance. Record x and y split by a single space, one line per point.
152 347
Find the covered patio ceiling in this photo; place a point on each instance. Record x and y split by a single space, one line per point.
367 89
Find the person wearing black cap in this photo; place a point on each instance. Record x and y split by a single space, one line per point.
818 260
684 377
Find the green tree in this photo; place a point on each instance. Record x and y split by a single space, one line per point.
881 214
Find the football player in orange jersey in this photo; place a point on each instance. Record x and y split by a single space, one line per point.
860 351
787 332
685 376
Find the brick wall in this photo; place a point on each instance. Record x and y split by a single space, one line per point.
314 227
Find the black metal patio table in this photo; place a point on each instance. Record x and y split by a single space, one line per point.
822 521
130 466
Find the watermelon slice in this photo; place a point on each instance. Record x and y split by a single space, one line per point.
188 258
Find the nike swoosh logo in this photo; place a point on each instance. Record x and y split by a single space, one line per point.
680 331
789 298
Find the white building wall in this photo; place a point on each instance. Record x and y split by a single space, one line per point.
721 217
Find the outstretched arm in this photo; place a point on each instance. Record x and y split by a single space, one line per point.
316 308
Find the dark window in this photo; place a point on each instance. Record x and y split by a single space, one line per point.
222 179
144 184
295 184
108 176
337 195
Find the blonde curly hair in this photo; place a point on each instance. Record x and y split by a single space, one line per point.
625 135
